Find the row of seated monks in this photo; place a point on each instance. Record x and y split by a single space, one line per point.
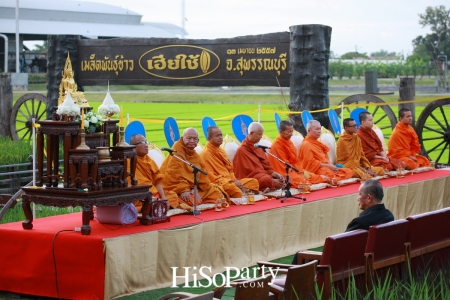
358 151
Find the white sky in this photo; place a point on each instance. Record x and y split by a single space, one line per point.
367 26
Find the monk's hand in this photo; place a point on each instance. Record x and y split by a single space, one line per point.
238 184
186 196
279 184
413 158
277 176
371 173
333 168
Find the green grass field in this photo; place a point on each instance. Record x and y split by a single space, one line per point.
189 108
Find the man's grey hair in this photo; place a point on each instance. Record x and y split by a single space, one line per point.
373 187
310 124
254 126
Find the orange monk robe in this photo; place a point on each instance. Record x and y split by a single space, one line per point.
313 153
403 143
147 172
178 176
350 154
251 162
286 151
220 171
372 146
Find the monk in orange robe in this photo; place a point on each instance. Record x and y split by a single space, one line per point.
251 162
372 146
219 168
285 150
404 142
350 152
178 177
314 157
147 172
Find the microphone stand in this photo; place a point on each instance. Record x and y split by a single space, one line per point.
195 171
287 188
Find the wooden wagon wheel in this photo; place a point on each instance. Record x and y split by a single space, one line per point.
379 113
434 124
27 107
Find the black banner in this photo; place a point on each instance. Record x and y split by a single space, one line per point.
251 60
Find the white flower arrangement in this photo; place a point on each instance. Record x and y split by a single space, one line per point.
108 108
68 107
92 121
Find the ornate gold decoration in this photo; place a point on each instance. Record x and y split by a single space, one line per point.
68 85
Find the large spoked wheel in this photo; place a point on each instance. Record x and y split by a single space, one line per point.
27 107
433 129
383 115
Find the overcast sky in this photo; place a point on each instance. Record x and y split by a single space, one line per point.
367 26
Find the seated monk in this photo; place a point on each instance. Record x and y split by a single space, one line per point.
404 142
178 177
285 150
372 146
252 162
314 157
147 172
219 168
350 152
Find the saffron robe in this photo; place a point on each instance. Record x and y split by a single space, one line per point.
350 154
403 143
372 146
251 162
178 176
147 172
220 171
286 151
313 153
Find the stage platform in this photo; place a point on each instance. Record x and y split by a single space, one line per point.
114 260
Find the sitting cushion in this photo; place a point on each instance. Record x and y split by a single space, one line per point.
156 154
380 136
199 148
328 139
230 146
297 139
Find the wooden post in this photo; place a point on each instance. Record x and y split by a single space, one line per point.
407 91
6 100
308 66
58 48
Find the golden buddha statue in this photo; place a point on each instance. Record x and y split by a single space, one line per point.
68 85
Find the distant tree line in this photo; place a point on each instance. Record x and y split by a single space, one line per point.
416 67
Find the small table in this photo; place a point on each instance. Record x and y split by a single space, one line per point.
63 197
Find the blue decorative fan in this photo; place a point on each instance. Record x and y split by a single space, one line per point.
355 115
277 120
135 127
334 120
207 122
171 131
240 124
306 117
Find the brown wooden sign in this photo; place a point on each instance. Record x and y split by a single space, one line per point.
252 60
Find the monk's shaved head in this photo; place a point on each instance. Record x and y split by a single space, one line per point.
363 116
311 123
190 130
255 132
135 137
401 112
255 126
210 130
285 124
190 138
347 122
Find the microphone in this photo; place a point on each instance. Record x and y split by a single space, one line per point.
261 146
168 150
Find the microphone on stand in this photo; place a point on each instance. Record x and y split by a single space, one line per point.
168 150
261 146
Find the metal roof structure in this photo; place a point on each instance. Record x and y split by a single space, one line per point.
37 19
